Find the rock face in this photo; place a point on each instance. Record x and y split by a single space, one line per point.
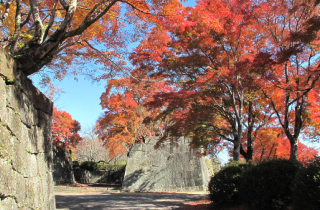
62 166
108 177
166 169
25 142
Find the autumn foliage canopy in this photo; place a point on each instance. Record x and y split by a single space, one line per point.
239 74
62 36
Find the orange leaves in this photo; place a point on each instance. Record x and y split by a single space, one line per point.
152 48
77 32
122 123
271 145
65 129
237 71
222 71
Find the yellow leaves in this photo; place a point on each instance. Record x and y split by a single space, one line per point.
59 14
209 68
24 39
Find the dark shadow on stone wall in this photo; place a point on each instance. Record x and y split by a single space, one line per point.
25 142
107 177
62 166
133 177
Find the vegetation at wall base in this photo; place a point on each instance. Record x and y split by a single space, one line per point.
75 164
267 185
224 185
89 165
100 166
306 188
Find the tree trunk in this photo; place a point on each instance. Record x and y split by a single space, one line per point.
294 149
236 149
250 131
249 152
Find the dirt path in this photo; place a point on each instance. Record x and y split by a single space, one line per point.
74 198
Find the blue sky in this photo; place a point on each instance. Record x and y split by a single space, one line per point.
81 99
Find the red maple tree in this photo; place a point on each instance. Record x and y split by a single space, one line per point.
237 69
121 125
65 129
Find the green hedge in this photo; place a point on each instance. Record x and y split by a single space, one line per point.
100 166
306 188
89 165
267 185
224 185
75 164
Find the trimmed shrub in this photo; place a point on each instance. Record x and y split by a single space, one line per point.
101 166
121 163
224 185
268 185
75 164
88 165
306 188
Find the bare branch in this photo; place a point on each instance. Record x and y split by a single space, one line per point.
68 45
17 30
135 8
38 26
51 21
26 20
97 12
70 9
64 4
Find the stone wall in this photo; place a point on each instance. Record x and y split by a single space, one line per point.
25 142
107 177
167 169
62 166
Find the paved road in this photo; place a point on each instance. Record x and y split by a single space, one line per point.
67 200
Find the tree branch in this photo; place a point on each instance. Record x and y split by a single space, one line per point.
51 21
100 9
64 4
17 30
38 26
135 8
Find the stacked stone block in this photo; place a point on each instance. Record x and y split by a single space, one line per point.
25 142
167 169
62 166
107 177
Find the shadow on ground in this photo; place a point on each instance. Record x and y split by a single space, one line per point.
126 201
